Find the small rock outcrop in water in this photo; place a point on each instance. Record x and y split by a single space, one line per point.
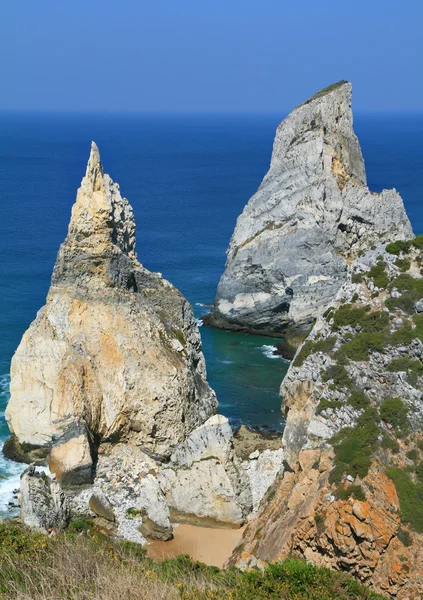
311 215
352 497
115 354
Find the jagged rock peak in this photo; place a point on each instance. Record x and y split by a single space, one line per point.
100 216
311 215
115 354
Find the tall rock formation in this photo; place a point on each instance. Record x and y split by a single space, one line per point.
350 496
311 215
115 354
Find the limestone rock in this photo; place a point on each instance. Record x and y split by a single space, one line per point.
262 469
70 458
44 506
205 482
103 351
312 213
126 478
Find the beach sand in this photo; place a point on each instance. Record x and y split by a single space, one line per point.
210 546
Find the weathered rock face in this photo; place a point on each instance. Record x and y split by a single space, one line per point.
114 352
350 495
313 212
205 482
44 506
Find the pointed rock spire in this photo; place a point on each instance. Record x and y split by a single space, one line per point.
94 173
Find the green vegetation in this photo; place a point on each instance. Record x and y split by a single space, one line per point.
339 376
389 443
410 497
358 400
418 241
91 566
353 490
379 275
420 444
397 247
325 404
404 537
357 277
311 347
394 412
402 336
358 348
413 368
346 315
412 454
354 447
418 321
403 264
412 291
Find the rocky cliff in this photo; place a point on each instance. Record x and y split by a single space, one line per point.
115 354
350 495
311 215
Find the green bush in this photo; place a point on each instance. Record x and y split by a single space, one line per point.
406 364
358 348
418 241
354 447
346 315
398 247
410 497
339 375
325 404
405 302
389 443
357 277
379 275
311 347
418 321
419 471
412 454
403 336
358 400
394 412
420 444
353 490
403 264
404 537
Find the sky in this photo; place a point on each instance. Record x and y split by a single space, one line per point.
208 55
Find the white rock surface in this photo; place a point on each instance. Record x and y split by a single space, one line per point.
262 471
288 255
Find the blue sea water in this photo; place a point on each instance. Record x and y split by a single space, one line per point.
188 178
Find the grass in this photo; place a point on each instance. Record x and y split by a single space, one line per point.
324 91
88 566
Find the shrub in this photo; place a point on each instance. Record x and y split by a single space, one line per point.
358 400
405 303
420 444
404 537
418 241
394 412
354 447
410 497
390 443
397 247
358 348
418 321
378 274
357 277
406 364
352 490
325 404
311 347
412 454
419 470
339 375
404 335
403 264
346 315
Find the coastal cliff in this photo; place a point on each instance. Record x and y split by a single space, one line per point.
350 495
115 354
312 214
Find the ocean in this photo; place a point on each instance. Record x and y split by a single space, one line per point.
187 177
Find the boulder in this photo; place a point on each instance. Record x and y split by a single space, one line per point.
44 506
70 458
101 506
205 483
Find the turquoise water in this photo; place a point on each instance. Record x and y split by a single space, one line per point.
188 178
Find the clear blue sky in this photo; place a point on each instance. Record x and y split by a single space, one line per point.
208 55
